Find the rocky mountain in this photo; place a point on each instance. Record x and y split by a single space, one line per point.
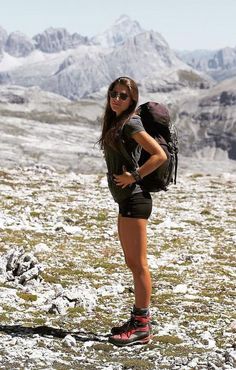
207 123
42 127
3 38
38 127
19 45
119 32
89 69
76 67
219 64
53 40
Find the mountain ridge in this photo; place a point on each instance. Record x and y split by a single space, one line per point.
76 67
204 109
219 64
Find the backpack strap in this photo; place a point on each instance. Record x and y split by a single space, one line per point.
176 167
175 150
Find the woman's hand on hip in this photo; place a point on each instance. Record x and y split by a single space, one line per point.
124 180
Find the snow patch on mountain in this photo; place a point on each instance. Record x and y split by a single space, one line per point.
10 62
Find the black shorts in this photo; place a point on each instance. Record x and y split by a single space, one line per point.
139 205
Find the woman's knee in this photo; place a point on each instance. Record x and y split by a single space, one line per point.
137 267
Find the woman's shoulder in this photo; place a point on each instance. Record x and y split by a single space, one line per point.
135 120
133 126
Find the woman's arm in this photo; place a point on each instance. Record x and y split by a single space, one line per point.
156 159
157 154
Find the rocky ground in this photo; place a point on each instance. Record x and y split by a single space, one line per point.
63 282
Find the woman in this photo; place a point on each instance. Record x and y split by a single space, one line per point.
135 205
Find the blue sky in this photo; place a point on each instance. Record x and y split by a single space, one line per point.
185 24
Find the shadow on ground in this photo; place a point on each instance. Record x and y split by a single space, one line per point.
45 331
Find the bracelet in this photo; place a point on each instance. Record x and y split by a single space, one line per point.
136 175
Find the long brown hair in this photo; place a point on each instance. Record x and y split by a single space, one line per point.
112 123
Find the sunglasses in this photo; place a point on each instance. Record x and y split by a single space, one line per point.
115 94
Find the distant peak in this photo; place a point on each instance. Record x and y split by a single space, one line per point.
55 29
123 18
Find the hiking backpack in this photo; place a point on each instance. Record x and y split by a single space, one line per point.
156 121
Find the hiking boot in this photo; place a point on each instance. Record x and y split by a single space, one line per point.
136 330
122 328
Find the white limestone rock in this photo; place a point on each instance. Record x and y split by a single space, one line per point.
19 45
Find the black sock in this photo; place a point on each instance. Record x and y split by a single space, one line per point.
141 311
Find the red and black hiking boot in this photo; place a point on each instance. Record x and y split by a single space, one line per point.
136 330
122 328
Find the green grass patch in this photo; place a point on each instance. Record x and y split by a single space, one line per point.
182 351
168 339
162 298
136 364
205 212
28 297
73 312
177 242
215 230
193 222
102 216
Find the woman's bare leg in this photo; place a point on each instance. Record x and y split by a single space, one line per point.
133 238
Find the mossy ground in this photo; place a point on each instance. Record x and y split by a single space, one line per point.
195 248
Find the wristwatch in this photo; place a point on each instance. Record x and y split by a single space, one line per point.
136 175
